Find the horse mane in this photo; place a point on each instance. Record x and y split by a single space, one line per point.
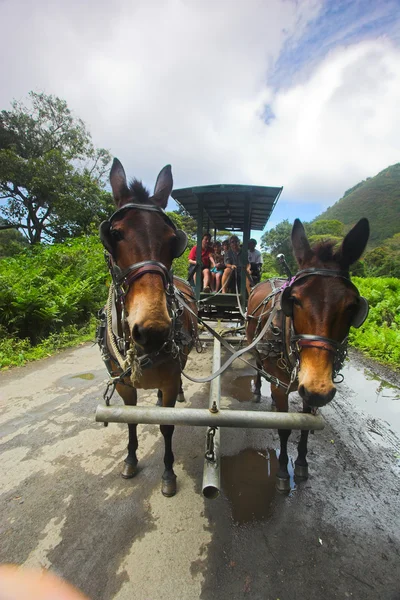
139 192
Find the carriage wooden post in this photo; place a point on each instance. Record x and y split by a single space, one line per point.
236 208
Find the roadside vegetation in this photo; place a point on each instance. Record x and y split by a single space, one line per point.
53 276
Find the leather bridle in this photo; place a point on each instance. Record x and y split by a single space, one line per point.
300 341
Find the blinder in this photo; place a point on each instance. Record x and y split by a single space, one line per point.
287 301
181 240
362 312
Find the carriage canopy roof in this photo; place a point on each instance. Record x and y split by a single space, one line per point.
225 205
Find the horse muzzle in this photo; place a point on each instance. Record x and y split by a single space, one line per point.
314 399
150 339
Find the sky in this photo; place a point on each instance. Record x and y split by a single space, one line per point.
303 94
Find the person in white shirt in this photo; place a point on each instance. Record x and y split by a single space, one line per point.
255 261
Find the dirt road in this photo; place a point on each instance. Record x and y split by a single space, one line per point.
64 506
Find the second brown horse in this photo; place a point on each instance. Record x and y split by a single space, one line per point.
307 321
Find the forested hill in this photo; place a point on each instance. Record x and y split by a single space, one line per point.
378 199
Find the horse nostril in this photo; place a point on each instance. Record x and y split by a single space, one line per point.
139 334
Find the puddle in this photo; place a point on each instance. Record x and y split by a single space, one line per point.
374 395
242 388
248 483
87 376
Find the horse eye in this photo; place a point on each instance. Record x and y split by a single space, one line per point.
116 235
296 301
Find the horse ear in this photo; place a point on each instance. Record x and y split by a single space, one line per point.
118 181
353 244
163 187
301 248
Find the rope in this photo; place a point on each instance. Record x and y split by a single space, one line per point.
131 360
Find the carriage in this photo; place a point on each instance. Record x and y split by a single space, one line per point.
297 328
233 208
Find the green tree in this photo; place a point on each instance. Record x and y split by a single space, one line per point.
278 241
270 266
12 242
50 172
384 261
326 228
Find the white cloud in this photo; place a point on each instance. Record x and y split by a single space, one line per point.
341 125
185 82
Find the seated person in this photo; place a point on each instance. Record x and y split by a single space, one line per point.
225 247
217 266
255 261
205 262
233 266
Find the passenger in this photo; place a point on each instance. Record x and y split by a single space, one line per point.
233 266
218 266
255 261
205 262
225 247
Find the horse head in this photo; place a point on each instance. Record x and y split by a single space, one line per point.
323 304
143 242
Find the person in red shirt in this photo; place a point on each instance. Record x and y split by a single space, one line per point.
205 260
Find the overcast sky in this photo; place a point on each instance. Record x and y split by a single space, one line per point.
304 94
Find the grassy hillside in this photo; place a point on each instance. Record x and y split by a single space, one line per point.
378 199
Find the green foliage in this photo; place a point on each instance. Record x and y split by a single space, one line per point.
379 337
45 289
278 241
270 266
326 228
50 296
12 241
384 261
378 199
181 264
316 239
50 172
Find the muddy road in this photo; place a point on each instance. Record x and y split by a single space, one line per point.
64 506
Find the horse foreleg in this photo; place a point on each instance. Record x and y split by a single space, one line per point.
129 396
301 465
181 395
257 386
282 477
168 481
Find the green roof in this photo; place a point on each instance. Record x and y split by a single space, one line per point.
224 205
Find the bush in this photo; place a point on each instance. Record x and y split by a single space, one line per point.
45 289
379 337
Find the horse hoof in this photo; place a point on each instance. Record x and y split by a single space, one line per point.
129 471
181 397
283 484
168 486
257 398
301 471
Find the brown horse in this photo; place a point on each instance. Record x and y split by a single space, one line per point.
307 321
149 332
